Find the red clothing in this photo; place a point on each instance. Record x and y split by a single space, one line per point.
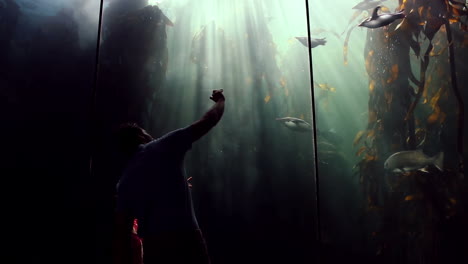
137 245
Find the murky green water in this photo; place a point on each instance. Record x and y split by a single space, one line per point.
257 197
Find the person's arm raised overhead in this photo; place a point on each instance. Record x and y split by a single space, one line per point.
210 118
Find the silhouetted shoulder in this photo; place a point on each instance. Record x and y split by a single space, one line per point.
179 139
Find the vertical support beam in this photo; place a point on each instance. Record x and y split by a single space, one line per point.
314 131
94 90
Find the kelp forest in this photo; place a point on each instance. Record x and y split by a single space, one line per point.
417 86
71 72
159 70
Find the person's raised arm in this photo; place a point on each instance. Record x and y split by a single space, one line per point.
210 118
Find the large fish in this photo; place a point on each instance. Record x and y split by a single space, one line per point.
295 124
314 42
412 160
376 20
460 6
368 4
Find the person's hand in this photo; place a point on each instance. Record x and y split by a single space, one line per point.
217 95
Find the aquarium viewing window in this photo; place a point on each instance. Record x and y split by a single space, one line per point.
342 137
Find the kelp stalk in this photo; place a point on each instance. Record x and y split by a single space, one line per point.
422 81
421 86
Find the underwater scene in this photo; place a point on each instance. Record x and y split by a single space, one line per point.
342 137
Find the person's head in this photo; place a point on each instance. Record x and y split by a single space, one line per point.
130 136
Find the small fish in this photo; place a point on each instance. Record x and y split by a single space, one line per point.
313 41
413 160
457 5
331 136
368 4
325 146
376 20
295 124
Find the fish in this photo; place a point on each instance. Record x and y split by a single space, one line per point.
457 5
367 4
412 160
325 146
376 20
331 136
295 124
314 42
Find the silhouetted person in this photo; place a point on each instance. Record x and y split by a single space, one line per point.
154 190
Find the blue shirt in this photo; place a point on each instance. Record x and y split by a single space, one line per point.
154 188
